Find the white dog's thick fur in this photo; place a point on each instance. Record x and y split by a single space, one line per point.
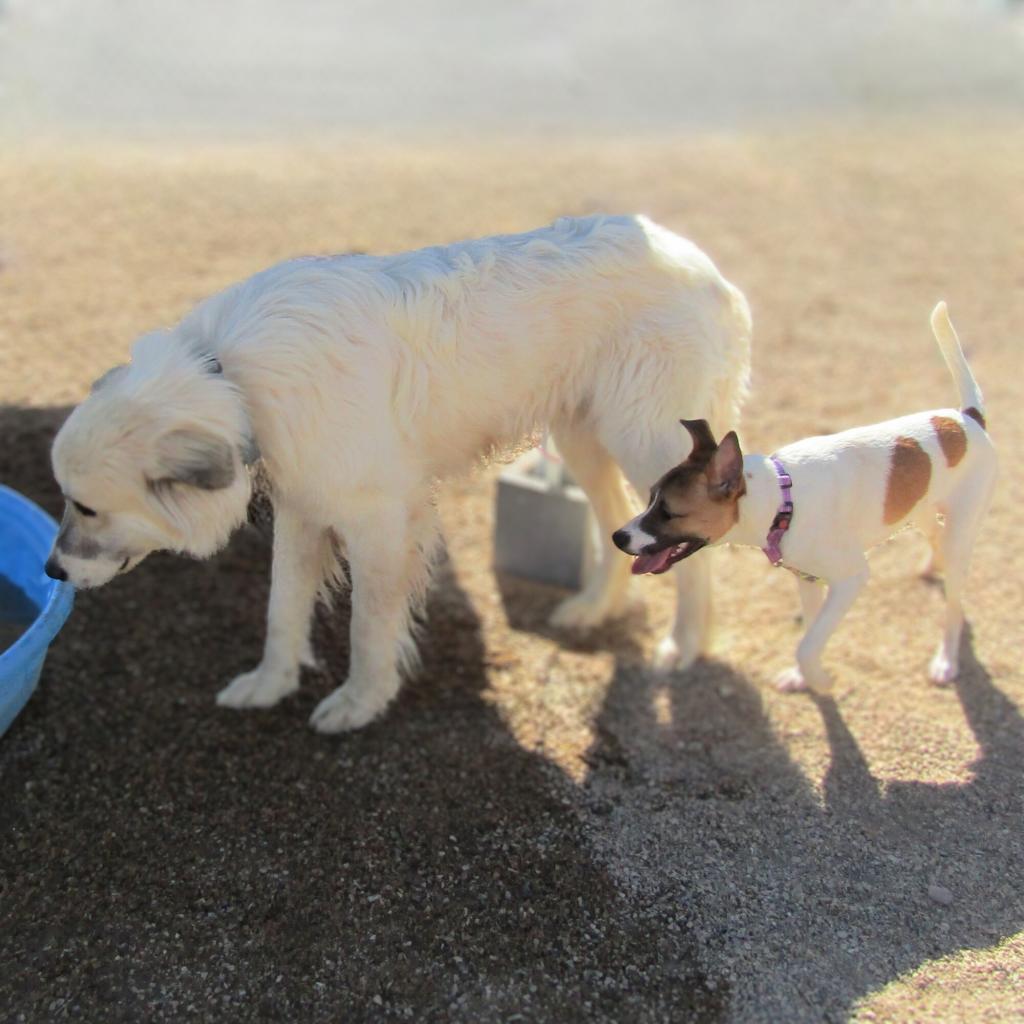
363 380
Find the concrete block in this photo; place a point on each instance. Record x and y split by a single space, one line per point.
543 525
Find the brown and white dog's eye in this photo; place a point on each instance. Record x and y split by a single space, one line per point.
84 509
665 512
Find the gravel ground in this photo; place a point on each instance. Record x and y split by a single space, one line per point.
540 829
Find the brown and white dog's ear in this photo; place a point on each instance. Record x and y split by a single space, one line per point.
195 458
725 470
703 440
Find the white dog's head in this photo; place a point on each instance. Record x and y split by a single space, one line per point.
154 459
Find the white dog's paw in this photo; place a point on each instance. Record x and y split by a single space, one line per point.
672 656
580 612
344 710
587 610
943 669
259 688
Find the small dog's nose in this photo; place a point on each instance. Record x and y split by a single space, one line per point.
54 571
621 539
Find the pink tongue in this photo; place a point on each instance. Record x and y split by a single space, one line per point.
651 563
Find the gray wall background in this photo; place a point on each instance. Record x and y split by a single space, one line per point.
250 68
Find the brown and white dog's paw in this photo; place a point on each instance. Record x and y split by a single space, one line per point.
790 680
943 669
794 680
260 688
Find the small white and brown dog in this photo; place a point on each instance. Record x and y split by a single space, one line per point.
362 380
816 506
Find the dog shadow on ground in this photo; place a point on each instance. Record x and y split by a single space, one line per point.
164 859
804 901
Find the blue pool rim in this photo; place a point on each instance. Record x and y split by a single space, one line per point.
22 662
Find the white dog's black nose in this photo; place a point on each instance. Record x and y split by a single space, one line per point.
54 571
621 540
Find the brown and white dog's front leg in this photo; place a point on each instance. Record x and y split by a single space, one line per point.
300 553
389 548
808 670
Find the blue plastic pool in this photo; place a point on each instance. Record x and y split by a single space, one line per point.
32 606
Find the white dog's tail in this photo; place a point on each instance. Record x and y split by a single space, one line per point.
971 401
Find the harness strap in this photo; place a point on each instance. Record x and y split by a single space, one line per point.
784 516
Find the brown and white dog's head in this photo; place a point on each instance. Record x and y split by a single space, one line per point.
153 459
691 506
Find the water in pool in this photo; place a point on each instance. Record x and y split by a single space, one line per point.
16 612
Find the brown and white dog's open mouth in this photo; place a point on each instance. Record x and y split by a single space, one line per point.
660 561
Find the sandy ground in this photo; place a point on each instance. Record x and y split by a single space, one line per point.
540 827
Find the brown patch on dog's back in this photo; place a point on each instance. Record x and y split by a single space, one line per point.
952 438
976 415
910 472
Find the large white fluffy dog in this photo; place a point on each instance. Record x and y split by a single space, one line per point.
362 380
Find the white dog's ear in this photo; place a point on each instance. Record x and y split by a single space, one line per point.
725 470
250 451
107 377
194 458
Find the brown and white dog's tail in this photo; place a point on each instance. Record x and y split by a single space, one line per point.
971 402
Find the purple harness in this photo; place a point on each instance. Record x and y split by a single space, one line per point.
780 524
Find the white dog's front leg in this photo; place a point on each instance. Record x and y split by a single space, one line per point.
691 630
388 554
605 594
299 552
808 671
